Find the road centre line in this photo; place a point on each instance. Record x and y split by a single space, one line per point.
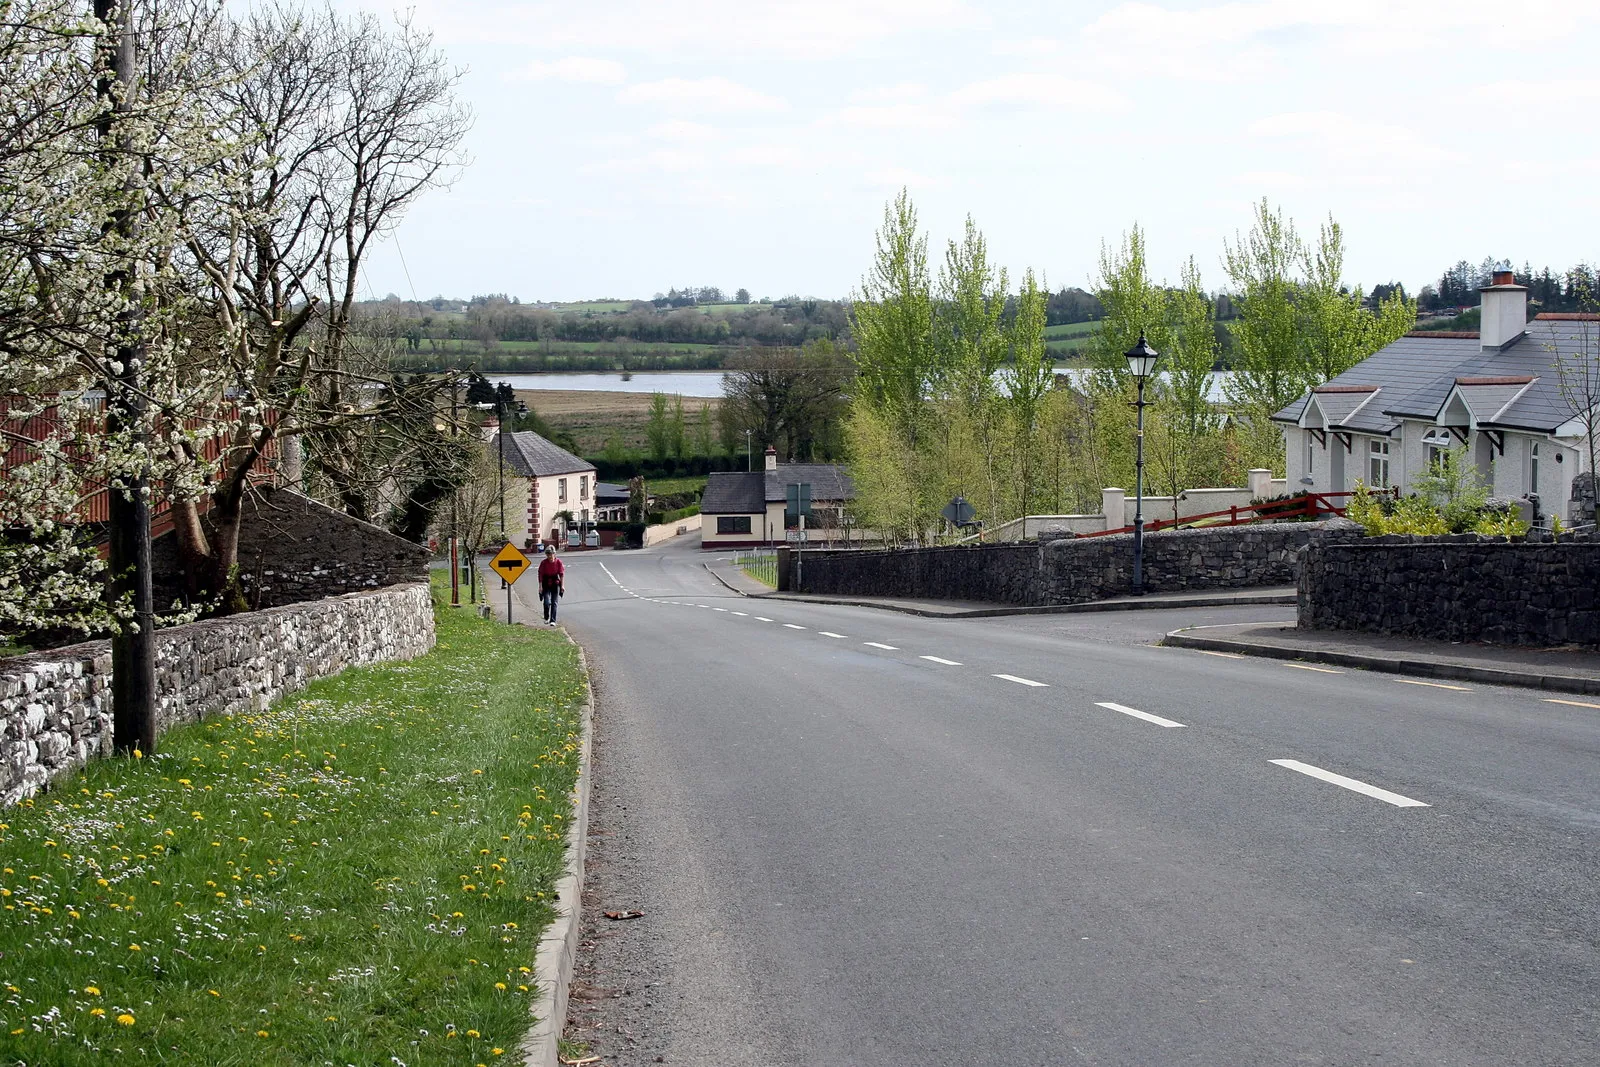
792 626
1432 685
879 644
746 614
760 618
1023 681
1572 703
946 662
1309 667
1351 784
828 633
1137 714
719 609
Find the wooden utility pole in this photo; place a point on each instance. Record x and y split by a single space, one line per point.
133 647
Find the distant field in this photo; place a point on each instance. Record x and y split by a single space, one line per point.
592 416
596 306
1070 329
559 348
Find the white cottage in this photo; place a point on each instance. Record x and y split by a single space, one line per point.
1498 392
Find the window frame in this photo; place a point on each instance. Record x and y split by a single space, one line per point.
1378 456
728 525
561 490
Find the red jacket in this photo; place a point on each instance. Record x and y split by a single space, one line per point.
551 574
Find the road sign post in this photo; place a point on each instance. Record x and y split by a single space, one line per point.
510 564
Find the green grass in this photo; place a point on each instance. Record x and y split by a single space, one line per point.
360 872
762 566
1070 329
597 306
675 486
560 348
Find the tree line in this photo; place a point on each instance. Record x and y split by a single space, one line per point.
954 396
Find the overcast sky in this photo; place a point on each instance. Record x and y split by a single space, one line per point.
625 147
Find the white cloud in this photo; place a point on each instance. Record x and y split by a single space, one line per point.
900 177
684 132
699 94
572 69
1052 92
1025 46
797 29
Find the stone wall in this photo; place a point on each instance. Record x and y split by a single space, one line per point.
55 707
293 549
1072 571
1458 588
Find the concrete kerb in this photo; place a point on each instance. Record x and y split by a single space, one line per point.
558 948
1460 672
1145 604
723 580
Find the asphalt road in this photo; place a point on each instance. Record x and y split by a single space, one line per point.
865 837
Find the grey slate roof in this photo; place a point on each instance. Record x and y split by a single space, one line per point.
610 493
828 481
733 494
1416 375
534 457
739 493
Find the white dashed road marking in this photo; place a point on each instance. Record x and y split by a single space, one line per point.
1572 703
760 618
746 614
946 662
1023 681
880 644
1350 783
825 633
792 626
1137 714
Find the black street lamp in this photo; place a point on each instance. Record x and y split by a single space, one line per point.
1142 363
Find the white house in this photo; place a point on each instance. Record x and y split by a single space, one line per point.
745 509
1497 392
543 480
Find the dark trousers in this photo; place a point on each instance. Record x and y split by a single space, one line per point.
548 598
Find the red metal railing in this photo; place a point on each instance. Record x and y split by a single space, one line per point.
1310 506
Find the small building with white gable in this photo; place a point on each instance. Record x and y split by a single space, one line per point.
543 480
742 509
1500 393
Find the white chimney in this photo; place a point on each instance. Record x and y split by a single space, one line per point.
772 458
1504 311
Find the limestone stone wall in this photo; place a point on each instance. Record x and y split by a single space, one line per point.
1458 588
55 707
1075 570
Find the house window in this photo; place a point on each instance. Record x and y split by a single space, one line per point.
1311 455
1533 467
1438 442
583 487
561 490
1378 469
733 524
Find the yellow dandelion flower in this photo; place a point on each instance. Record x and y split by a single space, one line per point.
133 948
473 1033
92 990
97 1012
500 985
125 1019
213 992
262 1033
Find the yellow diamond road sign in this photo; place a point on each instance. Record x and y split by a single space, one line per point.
510 564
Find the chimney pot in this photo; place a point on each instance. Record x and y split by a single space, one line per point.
1504 311
772 458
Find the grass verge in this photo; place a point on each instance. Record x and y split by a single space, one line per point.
762 566
358 875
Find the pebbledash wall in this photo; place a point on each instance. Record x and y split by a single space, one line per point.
1459 588
1072 571
55 707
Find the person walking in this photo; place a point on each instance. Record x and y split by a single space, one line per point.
552 583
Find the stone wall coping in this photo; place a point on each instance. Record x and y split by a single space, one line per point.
98 652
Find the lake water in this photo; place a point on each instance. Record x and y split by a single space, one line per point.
703 383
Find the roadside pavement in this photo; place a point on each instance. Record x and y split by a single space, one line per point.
1559 670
